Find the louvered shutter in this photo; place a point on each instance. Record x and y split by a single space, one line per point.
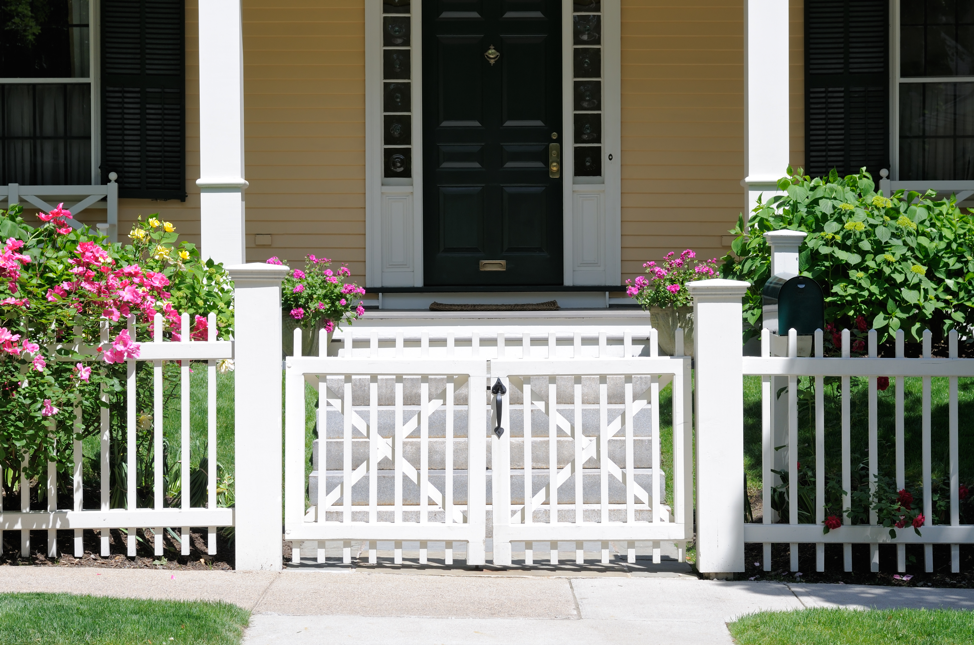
846 86
143 97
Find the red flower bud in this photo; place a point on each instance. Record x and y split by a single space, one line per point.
918 521
833 522
882 383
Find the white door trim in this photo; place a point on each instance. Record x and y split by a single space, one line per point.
592 212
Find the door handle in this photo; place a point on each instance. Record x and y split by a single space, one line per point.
554 160
499 391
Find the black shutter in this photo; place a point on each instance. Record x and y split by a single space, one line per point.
143 97
846 86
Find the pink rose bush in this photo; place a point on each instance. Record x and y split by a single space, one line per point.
319 294
59 287
667 281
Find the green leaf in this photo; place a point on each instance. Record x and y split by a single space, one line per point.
882 234
880 321
853 258
797 193
911 296
833 227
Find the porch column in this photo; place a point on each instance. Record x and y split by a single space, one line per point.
766 117
221 182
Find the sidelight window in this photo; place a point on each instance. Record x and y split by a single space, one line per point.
397 89
587 73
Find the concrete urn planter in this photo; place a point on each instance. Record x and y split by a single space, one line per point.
665 321
309 338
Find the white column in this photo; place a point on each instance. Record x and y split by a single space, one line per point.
785 248
766 120
221 182
719 356
258 437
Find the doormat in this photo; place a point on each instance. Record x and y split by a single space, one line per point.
551 305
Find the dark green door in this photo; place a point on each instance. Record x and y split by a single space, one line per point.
489 194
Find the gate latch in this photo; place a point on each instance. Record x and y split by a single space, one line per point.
499 391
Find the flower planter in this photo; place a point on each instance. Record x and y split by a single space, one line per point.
665 321
309 338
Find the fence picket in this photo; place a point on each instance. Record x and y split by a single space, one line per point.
184 433
767 443
579 438
927 468
793 478
131 474
398 456
819 452
873 430
954 454
900 452
157 434
105 444
211 434
24 507
78 487
846 447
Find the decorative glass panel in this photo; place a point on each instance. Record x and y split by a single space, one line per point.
398 130
937 38
395 31
396 97
588 161
588 128
937 131
588 95
398 163
395 6
396 63
588 5
587 29
588 62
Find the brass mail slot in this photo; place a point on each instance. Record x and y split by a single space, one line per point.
493 265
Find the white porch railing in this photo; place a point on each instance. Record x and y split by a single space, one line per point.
133 517
41 197
963 190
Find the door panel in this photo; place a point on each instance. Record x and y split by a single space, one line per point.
486 133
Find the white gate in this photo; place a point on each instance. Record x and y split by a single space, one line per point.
402 449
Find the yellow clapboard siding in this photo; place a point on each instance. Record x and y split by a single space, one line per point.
283 230
691 215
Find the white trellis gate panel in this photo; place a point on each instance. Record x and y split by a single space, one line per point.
595 492
780 430
129 519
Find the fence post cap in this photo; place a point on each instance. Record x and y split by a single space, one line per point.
257 274
785 236
718 290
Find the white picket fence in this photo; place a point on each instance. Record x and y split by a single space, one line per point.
441 363
780 428
132 517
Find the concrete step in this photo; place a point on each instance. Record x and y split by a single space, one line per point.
334 426
385 481
540 450
565 391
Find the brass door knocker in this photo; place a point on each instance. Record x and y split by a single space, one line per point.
492 55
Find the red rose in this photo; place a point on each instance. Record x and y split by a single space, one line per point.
833 522
837 339
861 324
905 498
882 383
918 521
900 524
859 346
963 491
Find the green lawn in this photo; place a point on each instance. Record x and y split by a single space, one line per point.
849 627
62 619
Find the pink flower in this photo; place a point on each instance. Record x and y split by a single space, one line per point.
84 373
641 282
343 302
14 244
122 348
5 335
673 288
274 260
321 306
360 310
918 521
297 313
299 288
312 259
323 261
299 274
111 313
669 255
23 302
649 264
200 328
39 363
332 279
64 230
344 271
156 280
49 409
632 292
328 272
688 255
30 347
329 326
861 324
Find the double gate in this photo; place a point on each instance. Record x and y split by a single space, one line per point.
471 441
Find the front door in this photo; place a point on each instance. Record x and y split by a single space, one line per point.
492 131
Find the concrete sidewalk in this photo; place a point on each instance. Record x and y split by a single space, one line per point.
341 606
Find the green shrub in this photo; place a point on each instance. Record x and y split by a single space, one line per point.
902 262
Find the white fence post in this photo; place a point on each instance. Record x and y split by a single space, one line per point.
718 326
258 435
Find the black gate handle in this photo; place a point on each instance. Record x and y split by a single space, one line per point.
499 391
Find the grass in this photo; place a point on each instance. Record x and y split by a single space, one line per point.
913 390
851 627
62 619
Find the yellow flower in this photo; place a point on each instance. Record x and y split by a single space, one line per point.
855 226
919 270
161 252
889 258
831 236
184 255
882 202
906 222
886 219
860 275
138 234
154 223
169 228
847 207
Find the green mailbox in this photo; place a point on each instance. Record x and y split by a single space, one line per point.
793 302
